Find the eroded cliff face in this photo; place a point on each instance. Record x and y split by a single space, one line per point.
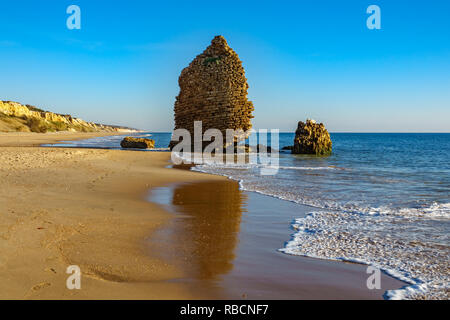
312 138
18 117
213 89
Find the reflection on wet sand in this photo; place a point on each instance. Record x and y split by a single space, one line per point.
226 255
205 229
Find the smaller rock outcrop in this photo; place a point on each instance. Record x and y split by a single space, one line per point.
312 138
137 143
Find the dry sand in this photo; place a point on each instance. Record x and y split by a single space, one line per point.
61 207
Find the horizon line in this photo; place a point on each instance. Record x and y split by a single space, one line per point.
369 132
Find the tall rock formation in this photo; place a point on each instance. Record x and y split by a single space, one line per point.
312 138
213 89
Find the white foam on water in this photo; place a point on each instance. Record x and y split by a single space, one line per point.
399 241
205 164
375 240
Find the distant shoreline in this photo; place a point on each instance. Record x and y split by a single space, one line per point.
31 139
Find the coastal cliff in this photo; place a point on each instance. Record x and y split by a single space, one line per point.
16 117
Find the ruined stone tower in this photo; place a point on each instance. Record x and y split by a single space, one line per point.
213 89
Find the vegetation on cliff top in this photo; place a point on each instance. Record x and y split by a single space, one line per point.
15 117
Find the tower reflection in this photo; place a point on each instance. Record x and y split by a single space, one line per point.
207 230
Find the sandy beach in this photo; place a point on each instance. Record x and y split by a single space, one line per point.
62 207
91 208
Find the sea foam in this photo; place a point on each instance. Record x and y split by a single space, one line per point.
395 240
375 240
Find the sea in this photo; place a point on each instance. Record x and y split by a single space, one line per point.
381 199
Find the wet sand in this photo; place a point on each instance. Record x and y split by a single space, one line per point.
85 207
226 241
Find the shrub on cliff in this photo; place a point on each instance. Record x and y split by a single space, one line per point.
57 126
37 125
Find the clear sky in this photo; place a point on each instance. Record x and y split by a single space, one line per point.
303 59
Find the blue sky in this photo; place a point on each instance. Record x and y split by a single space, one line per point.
303 59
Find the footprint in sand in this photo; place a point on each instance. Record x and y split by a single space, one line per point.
41 285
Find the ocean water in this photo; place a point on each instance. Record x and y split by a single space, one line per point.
380 199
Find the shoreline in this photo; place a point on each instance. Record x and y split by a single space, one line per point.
250 265
33 139
89 207
84 207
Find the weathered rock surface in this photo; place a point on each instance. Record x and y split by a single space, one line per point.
18 117
312 138
137 143
213 89
260 148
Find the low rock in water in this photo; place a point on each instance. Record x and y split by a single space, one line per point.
312 138
137 143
